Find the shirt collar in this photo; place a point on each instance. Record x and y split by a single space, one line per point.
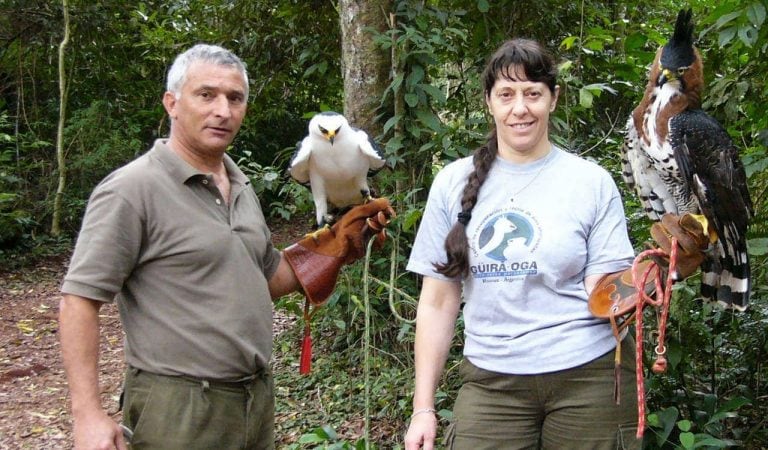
182 171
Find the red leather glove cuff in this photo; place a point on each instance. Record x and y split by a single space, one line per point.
316 273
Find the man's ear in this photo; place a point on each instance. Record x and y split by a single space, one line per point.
169 102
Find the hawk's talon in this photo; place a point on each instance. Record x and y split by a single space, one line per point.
315 235
373 225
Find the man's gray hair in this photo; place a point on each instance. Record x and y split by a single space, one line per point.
212 54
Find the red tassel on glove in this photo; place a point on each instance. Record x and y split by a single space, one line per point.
305 361
306 353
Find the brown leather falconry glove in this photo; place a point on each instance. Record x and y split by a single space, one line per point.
317 259
615 295
692 241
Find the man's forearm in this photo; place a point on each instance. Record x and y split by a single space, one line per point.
283 281
79 337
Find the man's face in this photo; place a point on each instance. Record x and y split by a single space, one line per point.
210 110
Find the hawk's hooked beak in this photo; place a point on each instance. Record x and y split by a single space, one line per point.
330 135
667 75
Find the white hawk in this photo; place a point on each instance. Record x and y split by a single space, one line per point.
335 161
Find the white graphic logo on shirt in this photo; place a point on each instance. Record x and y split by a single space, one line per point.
506 241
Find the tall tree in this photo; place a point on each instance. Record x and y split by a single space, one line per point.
365 66
61 160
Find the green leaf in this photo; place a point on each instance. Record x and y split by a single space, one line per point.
565 66
726 36
311 439
687 440
748 35
674 353
585 98
329 432
427 146
415 77
709 441
727 18
756 14
594 44
411 219
684 425
412 99
758 246
667 419
391 122
598 88
483 6
357 302
434 92
728 408
568 42
394 144
634 42
397 82
429 119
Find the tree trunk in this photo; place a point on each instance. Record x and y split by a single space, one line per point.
365 67
61 161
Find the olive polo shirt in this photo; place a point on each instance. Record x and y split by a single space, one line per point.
189 272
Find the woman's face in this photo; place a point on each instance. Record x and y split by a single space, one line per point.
521 109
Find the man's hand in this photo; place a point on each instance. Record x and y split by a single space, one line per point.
98 432
316 260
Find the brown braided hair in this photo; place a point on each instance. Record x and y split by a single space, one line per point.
539 66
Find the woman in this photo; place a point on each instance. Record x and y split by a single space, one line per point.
522 231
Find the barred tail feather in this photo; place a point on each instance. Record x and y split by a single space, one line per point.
734 291
735 279
726 279
710 279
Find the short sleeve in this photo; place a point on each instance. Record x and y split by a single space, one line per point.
439 217
107 247
608 245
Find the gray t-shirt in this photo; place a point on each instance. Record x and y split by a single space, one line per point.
189 271
537 230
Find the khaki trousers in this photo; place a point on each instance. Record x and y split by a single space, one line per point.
572 409
181 413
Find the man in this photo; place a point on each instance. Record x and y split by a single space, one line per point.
179 238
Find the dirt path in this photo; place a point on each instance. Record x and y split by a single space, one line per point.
34 408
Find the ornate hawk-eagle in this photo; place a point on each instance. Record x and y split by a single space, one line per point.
680 160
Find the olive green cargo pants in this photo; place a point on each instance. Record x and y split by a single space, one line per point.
181 413
572 409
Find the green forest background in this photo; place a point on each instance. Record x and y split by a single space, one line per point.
431 112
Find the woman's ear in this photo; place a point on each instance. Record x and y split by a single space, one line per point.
554 99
